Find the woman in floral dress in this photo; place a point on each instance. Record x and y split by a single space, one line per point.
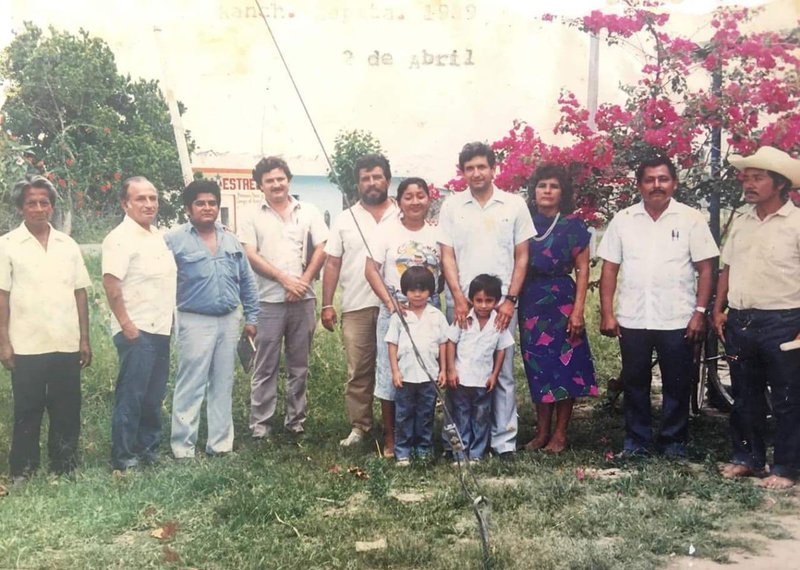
555 350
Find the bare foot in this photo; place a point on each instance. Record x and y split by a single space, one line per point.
388 452
537 442
737 470
776 483
556 445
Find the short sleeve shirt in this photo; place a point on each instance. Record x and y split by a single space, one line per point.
43 314
397 248
346 242
141 260
429 332
764 260
657 279
284 244
484 238
475 348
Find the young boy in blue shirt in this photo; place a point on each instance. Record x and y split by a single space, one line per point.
415 400
474 358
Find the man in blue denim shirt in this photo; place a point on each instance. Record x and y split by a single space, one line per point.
214 277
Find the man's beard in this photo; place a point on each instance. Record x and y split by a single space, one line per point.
375 200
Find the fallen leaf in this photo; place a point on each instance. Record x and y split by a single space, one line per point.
165 532
379 544
335 469
609 456
3 491
580 474
359 473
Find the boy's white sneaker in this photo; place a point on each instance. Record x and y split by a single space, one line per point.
403 462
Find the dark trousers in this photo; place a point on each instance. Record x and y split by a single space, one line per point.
675 361
414 406
53 382
141 386
753 338
472 414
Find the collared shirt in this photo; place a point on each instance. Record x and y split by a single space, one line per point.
43 315
429 332
475 348
657 282
346 242
141 260
287 245
396 248
212 284
484 238
764 260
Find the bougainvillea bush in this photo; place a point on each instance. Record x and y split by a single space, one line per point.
750 90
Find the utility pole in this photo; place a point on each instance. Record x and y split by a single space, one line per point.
594 78
174 113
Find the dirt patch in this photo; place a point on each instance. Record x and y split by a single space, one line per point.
772 553
410 497
500 482
353 505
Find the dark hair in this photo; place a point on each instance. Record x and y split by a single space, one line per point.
780 181
196 187
36 181
408 182
370 161
546 172
267 164
417 277
473 149
652 162
489 284
123 193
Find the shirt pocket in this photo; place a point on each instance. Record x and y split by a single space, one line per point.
194 265
231 263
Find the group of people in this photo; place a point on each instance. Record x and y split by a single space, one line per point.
502 263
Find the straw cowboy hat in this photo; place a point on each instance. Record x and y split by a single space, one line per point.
770 158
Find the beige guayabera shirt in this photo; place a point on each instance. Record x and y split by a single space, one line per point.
764 260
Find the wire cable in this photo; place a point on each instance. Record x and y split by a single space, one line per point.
469 483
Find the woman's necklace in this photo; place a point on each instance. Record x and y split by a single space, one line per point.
549 230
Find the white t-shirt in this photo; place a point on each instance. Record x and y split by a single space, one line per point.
145 265
345 242
484 238
475 348
397 248
429 332
657 279
283 244
43 315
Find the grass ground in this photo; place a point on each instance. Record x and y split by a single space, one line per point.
305 503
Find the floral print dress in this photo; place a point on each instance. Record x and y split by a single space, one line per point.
557 369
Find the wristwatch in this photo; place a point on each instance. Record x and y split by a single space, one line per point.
700 309
512 298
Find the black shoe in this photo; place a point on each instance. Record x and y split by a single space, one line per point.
632 454
506 456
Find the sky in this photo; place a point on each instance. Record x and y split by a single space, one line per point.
424 76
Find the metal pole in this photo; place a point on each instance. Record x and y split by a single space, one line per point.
594 66
174 113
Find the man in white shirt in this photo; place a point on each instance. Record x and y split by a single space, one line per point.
659 244
761 285
44 330
140 280
284 240
486 230
347 253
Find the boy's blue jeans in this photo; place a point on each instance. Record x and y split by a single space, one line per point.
413 417
472 414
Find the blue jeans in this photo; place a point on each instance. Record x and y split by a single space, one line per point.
414 408
472 414
675 362
753 338
141 385
206 356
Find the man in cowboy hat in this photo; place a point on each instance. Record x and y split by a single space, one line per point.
760 284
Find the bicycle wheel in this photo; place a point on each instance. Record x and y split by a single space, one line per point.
718 377
698 395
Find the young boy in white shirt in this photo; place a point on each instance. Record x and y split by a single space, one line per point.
415 400
474 358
